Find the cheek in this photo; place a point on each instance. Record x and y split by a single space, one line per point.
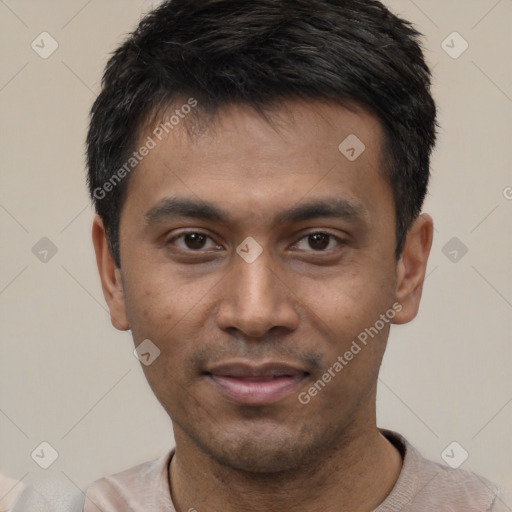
347 303
353 350
346 313
153 298
167 314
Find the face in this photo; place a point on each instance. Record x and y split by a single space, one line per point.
254 256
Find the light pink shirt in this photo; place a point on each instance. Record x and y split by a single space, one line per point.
422 486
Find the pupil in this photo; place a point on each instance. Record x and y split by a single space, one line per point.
318 241
194 240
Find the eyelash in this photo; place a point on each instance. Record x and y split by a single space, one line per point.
199 251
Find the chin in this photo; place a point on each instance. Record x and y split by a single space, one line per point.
269 450
254 458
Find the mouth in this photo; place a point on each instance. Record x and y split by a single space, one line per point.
256 385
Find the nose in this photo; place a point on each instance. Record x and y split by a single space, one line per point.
255 299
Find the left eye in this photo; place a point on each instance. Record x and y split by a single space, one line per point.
194 241
317 242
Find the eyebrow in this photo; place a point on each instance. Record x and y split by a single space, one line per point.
171 208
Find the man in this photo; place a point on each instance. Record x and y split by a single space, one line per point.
258 169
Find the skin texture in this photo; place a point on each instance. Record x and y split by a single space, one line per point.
295 303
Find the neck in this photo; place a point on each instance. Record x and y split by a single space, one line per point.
356 474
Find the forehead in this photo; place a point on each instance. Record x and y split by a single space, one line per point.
245 161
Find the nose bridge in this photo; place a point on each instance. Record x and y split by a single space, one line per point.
255 299
254 283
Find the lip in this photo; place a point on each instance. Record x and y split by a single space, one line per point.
256 385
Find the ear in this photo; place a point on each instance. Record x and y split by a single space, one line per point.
110 276
411 268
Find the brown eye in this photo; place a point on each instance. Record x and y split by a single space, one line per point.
319 241
194 240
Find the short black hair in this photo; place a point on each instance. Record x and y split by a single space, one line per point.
258 53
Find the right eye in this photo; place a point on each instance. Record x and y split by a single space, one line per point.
193 241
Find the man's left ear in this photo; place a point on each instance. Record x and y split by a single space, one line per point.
411 268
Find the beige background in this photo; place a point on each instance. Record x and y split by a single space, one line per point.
68 378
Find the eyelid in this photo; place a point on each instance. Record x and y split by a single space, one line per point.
338 239
189 232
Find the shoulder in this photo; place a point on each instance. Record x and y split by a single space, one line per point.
142 487
427 485
47 494
460 488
